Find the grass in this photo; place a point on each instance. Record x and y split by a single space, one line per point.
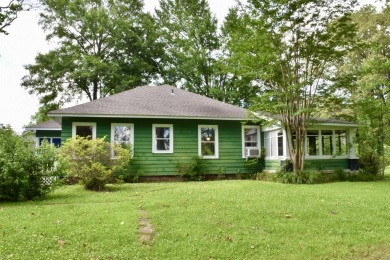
203 220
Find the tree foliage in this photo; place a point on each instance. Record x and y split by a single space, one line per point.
189 32
289 49
103 47
91 162
9 13
368 68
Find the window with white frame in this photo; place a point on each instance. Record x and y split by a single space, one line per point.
162 138
273 143
122 135
326 142
56 141
250 141
84 129
208 141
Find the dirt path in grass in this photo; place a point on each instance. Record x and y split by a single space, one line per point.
145 229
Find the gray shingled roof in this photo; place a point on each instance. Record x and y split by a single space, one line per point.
47 125
155 101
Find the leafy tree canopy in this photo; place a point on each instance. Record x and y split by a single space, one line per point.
103 47
8 13
289 49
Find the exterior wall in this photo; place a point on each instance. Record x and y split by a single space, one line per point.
185 144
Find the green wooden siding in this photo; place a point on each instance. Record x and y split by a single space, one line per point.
313 164
327 164
48 133
185 144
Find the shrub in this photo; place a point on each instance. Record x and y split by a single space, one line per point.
302 177
25 172
194 170
91 162
370 163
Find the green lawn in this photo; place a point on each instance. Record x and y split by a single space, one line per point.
203 220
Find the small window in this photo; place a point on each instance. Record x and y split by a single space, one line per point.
250 141
208 141
52 140
327 142
82 129
123 135
162 138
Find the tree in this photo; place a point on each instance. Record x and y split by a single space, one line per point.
289 49
368 68
189 32
104 47
9 13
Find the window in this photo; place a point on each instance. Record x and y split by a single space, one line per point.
313 146
162 138
250 141
52 140
273 143
208 141
123 135
326 142
83 129
341 142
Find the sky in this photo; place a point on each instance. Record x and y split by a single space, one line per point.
25 40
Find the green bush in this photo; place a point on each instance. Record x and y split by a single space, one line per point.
369 163
194 170
25 172
302 177
91 161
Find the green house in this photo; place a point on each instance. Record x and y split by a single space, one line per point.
165 126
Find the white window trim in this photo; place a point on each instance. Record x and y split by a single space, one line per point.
243 138
131 135
154 139
216 142
284 144
75 124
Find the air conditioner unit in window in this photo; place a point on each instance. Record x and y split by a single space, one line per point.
252 152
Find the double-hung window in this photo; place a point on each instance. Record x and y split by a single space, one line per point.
162 138
84 129
122 135
208 141
250 141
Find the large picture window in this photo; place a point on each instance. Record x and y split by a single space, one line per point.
162 138
273 143
123 135
208 141
250 141
84 129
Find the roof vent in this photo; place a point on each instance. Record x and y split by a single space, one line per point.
172 93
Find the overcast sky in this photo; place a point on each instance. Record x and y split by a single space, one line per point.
25 40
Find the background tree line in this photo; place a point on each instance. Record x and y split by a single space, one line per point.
297 59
